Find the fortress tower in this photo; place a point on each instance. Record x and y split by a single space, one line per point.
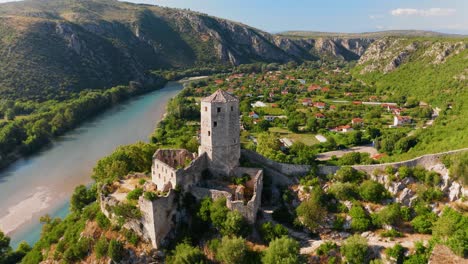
220 132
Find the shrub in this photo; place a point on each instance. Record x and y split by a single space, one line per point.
102 221
311 212
131 237
348 174
396 253
355 249
235 224
452 228
115 250
218 212
150 196
405 172
141 181
101 247
344 191
184 253
135 194
360 220
423 223
271 231
125 211
282 250
231 250
372 191
82 197
325 248
389 215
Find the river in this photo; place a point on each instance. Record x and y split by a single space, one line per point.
42 184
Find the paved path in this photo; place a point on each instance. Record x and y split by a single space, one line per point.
339 153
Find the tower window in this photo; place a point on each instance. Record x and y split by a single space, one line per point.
206 108
232 108
209 133
219 109
215 124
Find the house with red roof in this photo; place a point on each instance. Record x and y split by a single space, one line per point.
357 121
320 116
306 102
401 120
319 105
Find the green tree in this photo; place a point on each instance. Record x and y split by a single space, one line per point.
355 249
282 250
82 197
372 191
360 220
185 254
311 212
231 250
235 224
272 231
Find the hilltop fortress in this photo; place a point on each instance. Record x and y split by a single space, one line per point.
208 173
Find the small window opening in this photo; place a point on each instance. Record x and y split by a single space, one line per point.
232 108
209 133
206 108
219 109
215 124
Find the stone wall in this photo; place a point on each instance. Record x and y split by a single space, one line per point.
168 169
192 174
248 210
157 220
276 170
427 161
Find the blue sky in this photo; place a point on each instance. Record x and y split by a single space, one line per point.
334 15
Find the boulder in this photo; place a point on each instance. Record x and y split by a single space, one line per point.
455 191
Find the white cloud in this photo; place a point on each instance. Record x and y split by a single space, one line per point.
423 12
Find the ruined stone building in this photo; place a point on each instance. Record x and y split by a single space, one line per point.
208 173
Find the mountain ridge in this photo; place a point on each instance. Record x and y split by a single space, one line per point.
56 46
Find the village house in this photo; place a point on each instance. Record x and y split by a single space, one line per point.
258 104
343 129
269 118
319 105
401 120
306 102
253 115
320 116
357 121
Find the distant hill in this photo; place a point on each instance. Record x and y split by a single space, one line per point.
377 34
51 47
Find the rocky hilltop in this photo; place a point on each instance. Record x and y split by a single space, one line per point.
50 45
387 54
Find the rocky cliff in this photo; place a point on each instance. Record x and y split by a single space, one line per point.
387 54
56 45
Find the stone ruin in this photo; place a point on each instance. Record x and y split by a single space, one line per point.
179 169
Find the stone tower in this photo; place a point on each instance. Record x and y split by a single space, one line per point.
220 132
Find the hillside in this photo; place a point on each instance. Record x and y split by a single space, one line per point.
433 70
51 47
